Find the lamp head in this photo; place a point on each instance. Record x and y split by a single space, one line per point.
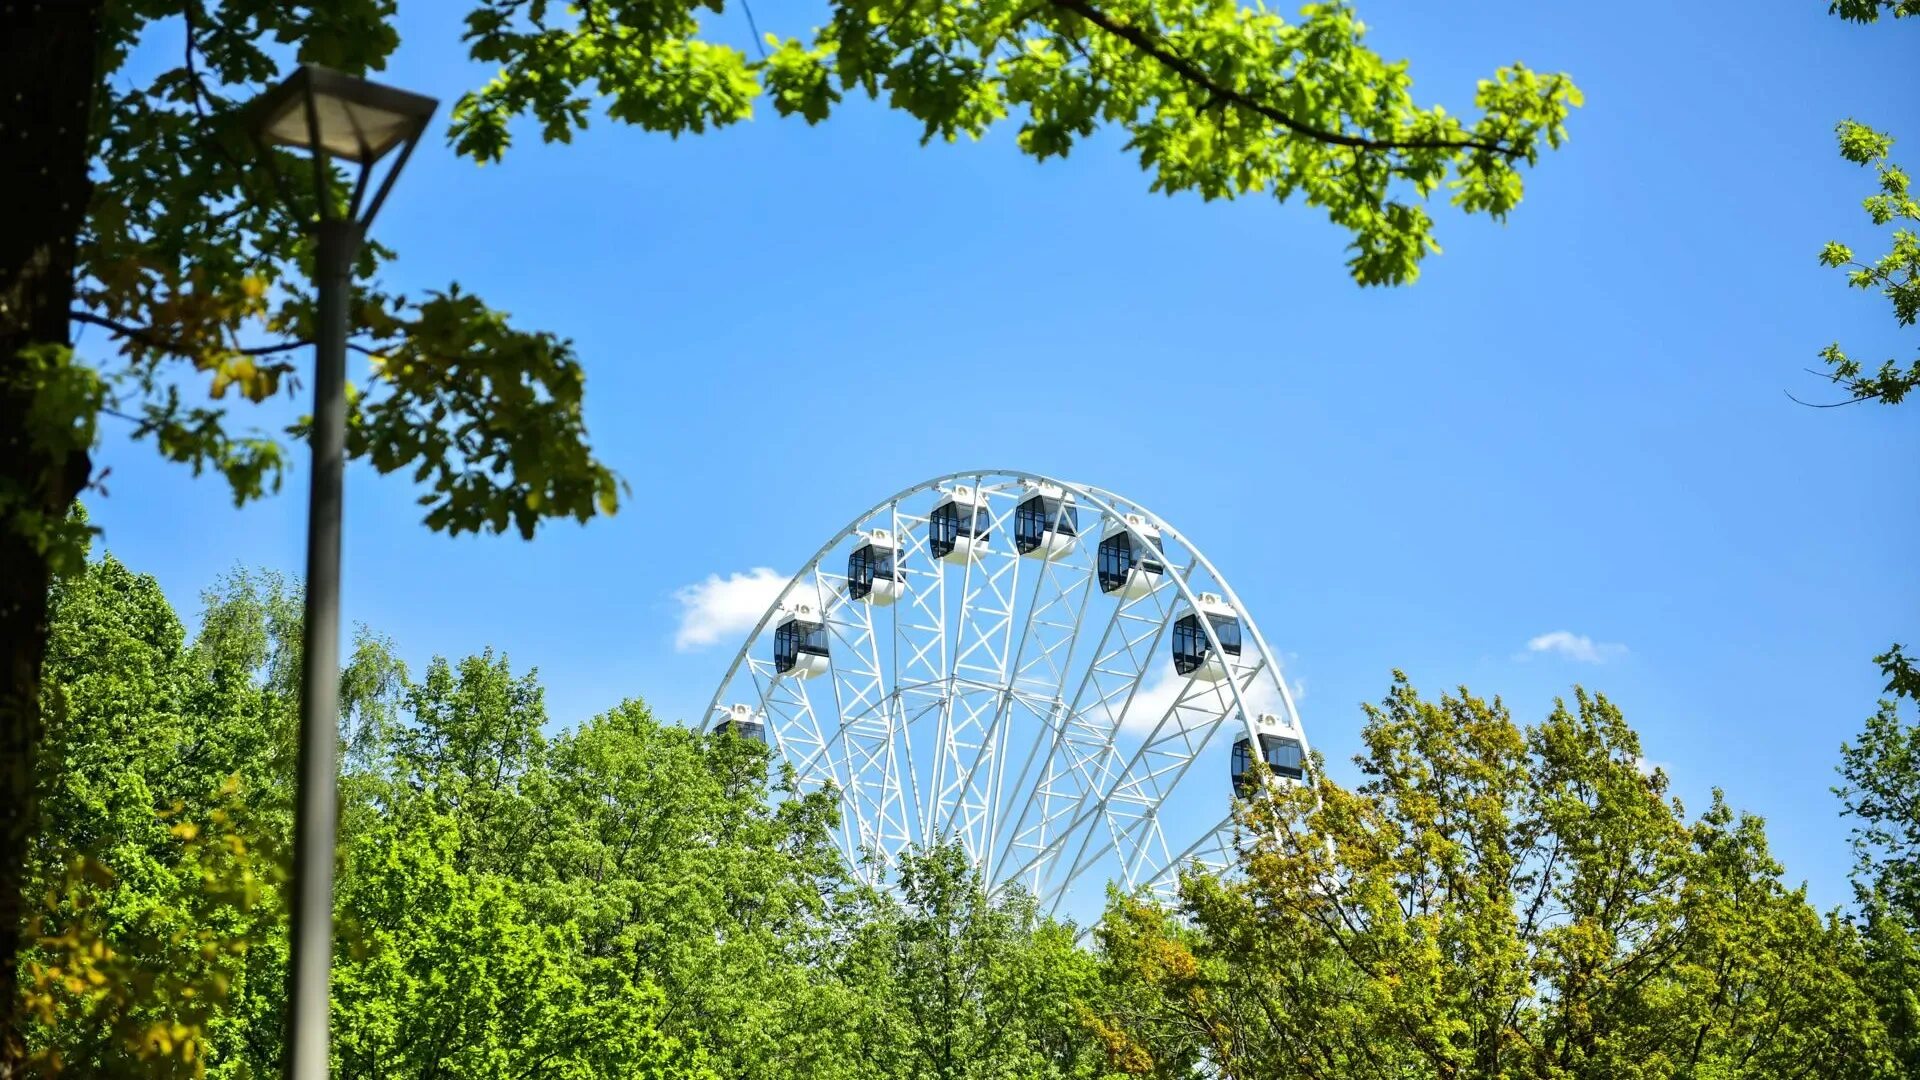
330 114
348 117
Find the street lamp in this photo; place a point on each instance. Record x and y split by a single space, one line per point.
329 115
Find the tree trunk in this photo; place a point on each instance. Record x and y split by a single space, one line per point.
48 55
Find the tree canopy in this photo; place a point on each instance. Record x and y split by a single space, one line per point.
629 898
1494 901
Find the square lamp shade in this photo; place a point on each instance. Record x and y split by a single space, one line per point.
355 119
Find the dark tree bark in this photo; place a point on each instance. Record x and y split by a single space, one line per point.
48 55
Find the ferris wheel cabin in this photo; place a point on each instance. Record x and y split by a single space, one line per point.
742 723
1282 755
800 643
1046 524
1128 567
1193 653
873 570
959 525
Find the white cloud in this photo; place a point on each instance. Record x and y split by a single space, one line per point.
1578 647
1648 768
1163 685
722 607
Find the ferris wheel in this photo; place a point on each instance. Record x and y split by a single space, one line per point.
1046 672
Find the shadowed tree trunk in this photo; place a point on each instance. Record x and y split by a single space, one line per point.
48 53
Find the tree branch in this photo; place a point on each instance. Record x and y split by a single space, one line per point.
147 337
1153 45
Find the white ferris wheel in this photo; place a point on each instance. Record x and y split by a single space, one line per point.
1046 672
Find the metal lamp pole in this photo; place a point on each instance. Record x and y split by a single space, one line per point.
330 115
316 815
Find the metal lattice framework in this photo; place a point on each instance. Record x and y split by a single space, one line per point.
1007 701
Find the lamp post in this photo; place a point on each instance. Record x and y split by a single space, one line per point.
329 115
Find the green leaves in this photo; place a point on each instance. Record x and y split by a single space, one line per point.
194 264
1895 275
64 398
488 416
1213 98
1868 11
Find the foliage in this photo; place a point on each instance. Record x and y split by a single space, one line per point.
635 875
1213 97
156 870
444 972
632 898
203 277
1495 901
1880 791
961 986
1868 11
65 398
1895 275
130 986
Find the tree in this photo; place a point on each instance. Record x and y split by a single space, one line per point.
159 936
137 214
445 972
1880 791
1493 901
1880 770
959 985
606 901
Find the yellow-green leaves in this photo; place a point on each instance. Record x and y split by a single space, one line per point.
1895 275
1491 901
1213 98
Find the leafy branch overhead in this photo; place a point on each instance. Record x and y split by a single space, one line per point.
1869 11
1214 97
1895 275
200 276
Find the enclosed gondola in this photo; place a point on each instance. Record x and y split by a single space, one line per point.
873 570
1193 654
960 524
1129 562
800 643
743 723
1281 754
1045 524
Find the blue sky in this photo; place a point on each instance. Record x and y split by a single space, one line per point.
1575 421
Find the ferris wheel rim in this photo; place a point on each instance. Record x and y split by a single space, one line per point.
1110 506
1103 497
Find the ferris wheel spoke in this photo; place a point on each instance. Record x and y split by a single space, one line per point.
979 676
789 711
1055 606
863 741
1076 803
1159 765
1074 761
1212 852
920 647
